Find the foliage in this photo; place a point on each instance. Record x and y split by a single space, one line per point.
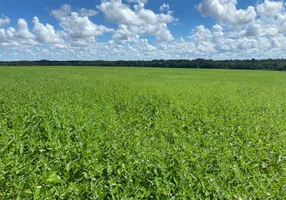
269 64
134 133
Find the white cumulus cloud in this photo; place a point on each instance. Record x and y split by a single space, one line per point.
164 7
257 31
270 8
141 2
4 20
45 34
83 12
137 21
226 11
78 25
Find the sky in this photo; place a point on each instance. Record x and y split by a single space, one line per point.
142 29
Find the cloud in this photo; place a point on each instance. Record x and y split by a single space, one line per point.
164 7
63 12
140 2
270 8
19 37
78 25
83 12
123 34
241 31
23 31
77 30
255 32
226 11
45 34
4 20
116 11
219 40
137 21
82 27
203 39
207 43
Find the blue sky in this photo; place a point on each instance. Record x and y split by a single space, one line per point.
141 29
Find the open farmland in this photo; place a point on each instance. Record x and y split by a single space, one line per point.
141 133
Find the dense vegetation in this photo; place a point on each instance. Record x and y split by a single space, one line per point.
141 133
269 64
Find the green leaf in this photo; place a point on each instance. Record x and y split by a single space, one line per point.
54 178
109 169
68 166
28 191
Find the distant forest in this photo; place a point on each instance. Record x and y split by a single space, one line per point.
267 64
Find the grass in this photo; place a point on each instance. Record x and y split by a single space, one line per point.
141 133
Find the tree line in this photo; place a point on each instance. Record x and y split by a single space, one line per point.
253 64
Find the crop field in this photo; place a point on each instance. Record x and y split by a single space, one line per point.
142 133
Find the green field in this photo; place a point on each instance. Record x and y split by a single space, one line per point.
141 133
